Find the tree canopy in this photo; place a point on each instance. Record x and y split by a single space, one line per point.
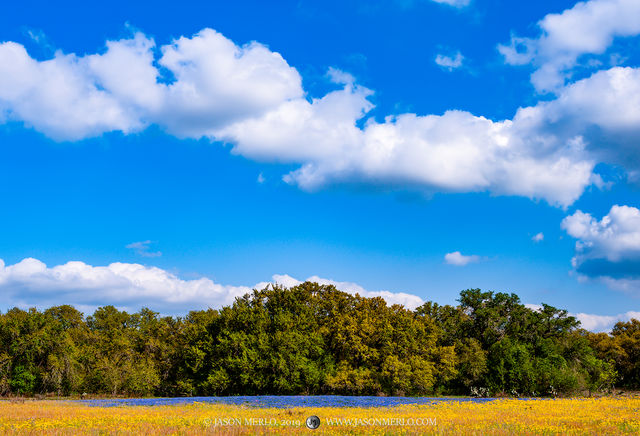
315 339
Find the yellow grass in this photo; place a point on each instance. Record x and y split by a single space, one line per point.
602 416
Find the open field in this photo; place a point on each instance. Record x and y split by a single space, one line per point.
500 417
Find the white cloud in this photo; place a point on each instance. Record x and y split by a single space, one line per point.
453 152
459 259
408 300
450 62
609 249
615 237
599 115
603 323
31 283
214 82
596 323
588 28
141 248
280 279
58 97
454 3
218 82
130 286
537 307
250 97
538 237
608 99
301 131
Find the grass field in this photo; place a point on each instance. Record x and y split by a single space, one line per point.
602 416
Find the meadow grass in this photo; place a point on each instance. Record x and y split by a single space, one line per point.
595 416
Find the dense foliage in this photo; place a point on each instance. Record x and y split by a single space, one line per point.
314 339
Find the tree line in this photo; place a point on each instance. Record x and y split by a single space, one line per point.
315 339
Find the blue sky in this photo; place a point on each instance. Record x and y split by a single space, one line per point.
409 149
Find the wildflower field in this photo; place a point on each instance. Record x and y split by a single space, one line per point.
599 416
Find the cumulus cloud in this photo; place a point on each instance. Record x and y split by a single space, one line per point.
538 237
459 259
450 63
218 82
407 300
31 283
141 248
58 97
603 323
596 323
608 249
453 152
599 115
130 286
454 3
248 96
588 28
213 82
